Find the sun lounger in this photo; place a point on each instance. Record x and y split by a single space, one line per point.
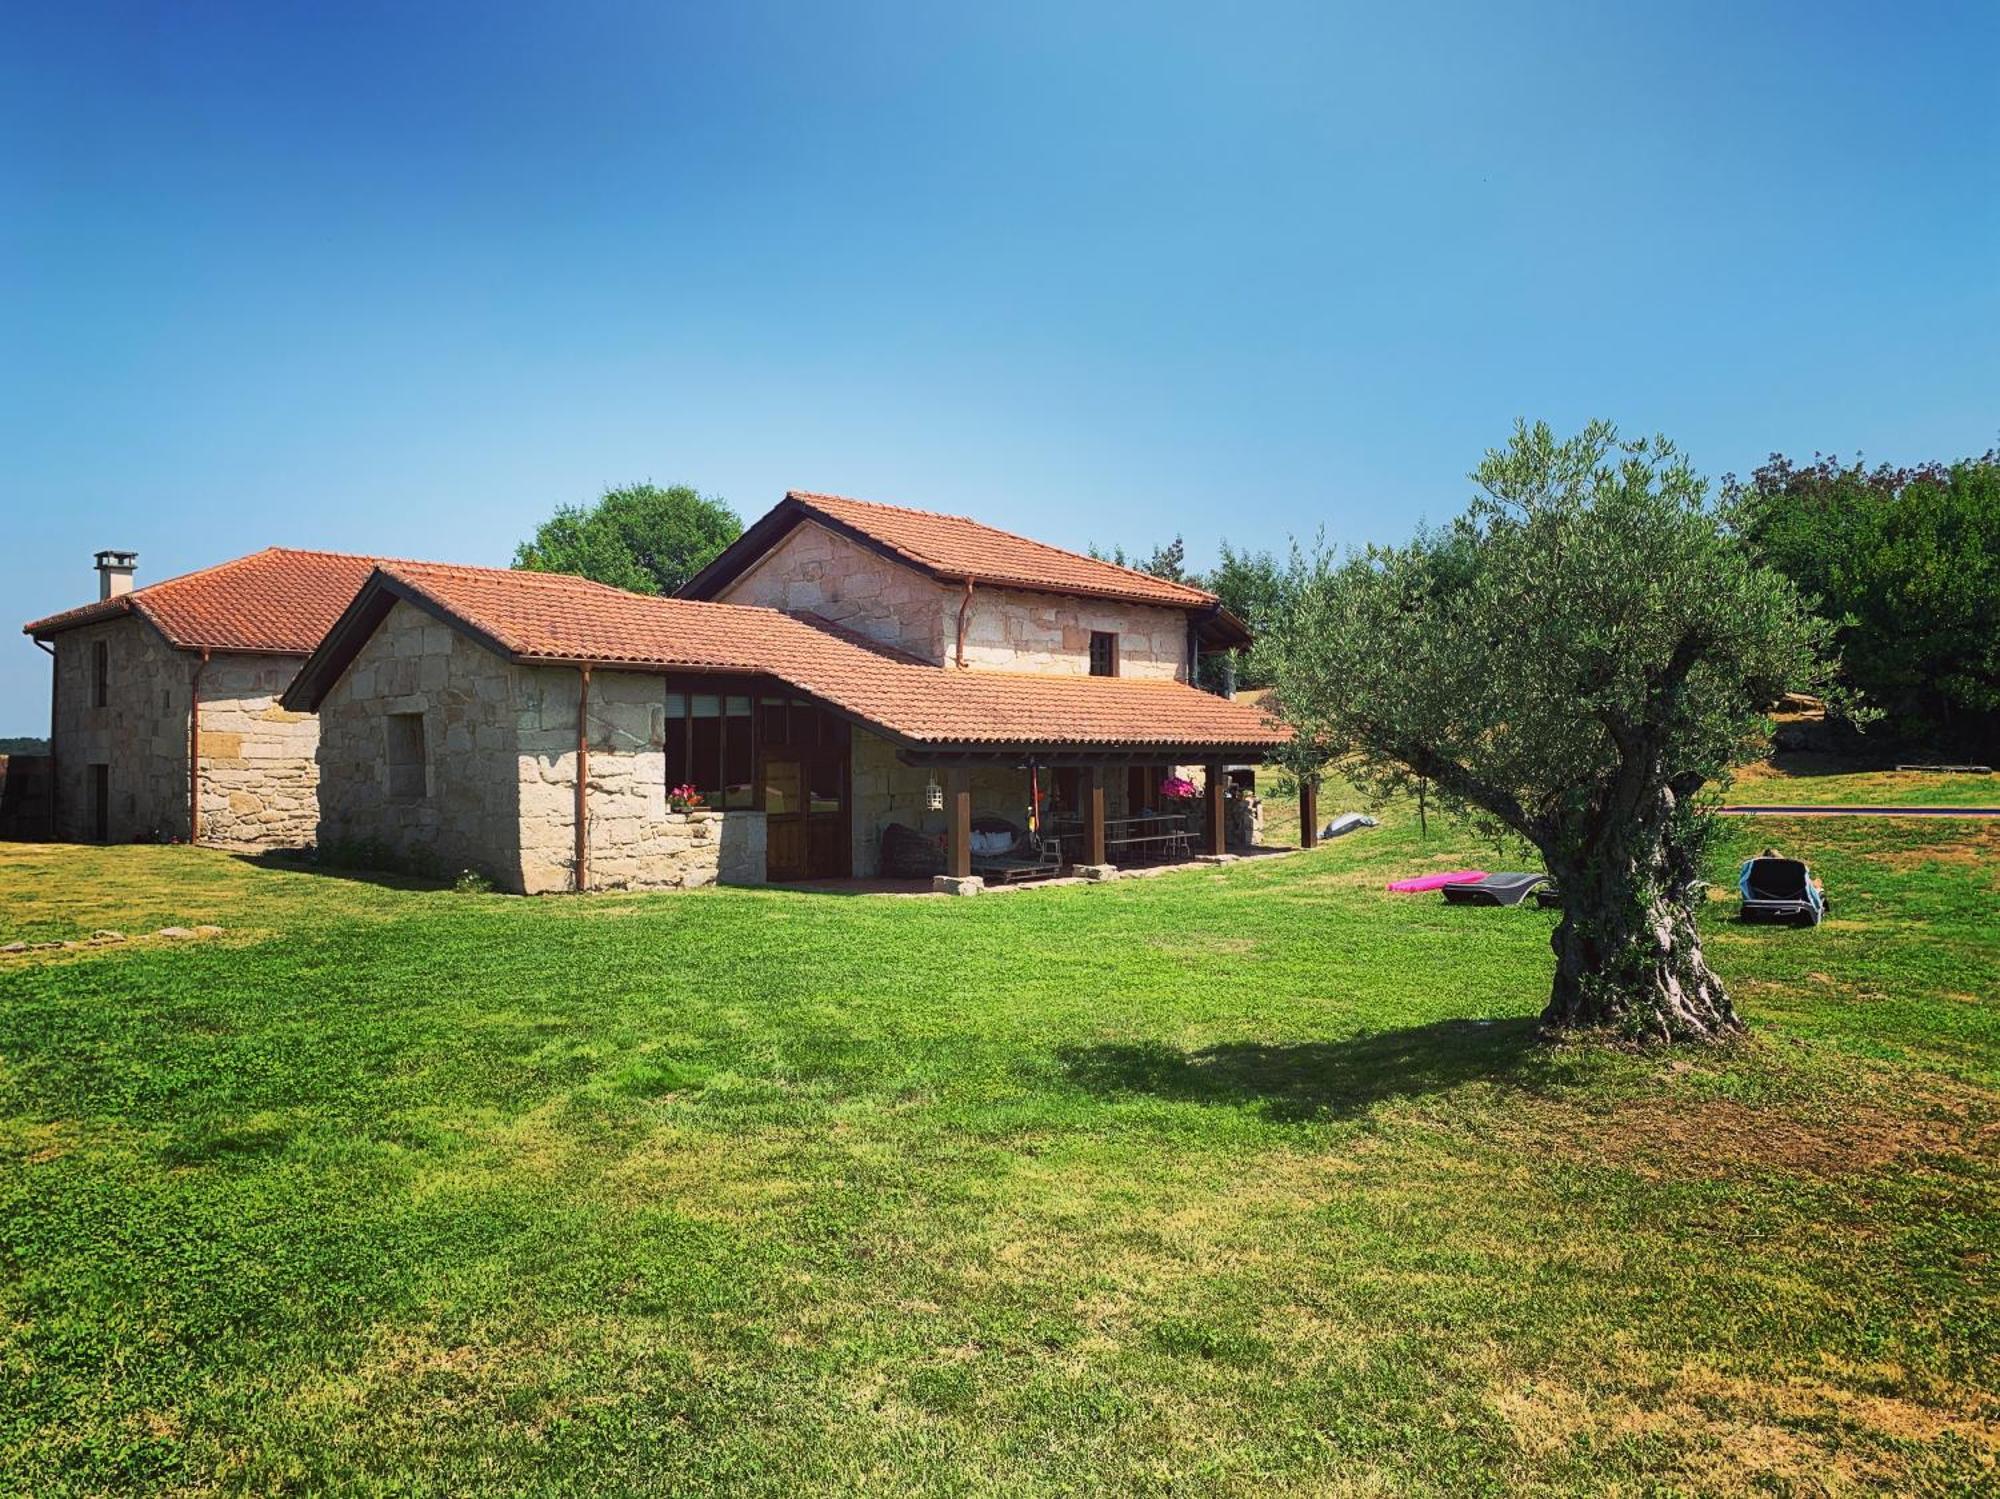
1508 889
1774 889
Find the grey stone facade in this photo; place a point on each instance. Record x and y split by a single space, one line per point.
815 569
497 792
258 772
140 735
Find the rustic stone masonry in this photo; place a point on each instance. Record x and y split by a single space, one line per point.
259 773
259 766
815 569
819 570
498 793
139 735
1012 630
637 842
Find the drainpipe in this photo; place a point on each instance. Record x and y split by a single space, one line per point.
194 749
582 872
55 765
964 605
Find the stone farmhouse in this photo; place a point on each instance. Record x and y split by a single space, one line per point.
845 669
164 720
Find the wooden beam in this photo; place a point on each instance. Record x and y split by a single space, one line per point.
1215 832
1091 784
1308 812
958 813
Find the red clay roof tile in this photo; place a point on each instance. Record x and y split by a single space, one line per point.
965 548
279 600
547 617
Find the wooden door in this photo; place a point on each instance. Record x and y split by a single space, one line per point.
786 852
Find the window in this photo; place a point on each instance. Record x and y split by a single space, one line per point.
1103 653
100 673
711 747
409 778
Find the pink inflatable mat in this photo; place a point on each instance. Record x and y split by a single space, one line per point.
1436 881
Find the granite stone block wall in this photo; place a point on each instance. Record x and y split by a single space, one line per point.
462 812
499 790
140 734
259 765
1013 630
818 570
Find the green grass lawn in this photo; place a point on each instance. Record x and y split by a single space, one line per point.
1250 1180
1805 780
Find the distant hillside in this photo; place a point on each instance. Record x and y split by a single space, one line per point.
24 746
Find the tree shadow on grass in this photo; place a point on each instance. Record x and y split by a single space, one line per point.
1301 1082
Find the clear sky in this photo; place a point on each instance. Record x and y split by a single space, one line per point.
400 278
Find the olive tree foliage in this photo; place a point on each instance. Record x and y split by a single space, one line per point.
639 537
1571 661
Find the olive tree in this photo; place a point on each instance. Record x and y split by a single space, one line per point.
1571 660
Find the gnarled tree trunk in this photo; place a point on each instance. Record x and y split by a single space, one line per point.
1628 956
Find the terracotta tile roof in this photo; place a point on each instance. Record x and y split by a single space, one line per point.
278 600
950 547
550 618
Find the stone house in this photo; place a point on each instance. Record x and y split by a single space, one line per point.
164 714
843 667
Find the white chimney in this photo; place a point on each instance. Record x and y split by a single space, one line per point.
114 573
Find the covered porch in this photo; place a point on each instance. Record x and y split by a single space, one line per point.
1087 816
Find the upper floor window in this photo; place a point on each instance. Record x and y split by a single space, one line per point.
409 779
100 673
1103 653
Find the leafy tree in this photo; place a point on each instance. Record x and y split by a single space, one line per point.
1169 561
1251 586
1908 561
640 537
1570 661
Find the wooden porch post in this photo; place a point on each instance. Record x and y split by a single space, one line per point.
1215 833
958 812
1093 814
1308 812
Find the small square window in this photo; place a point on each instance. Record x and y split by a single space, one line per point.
1103 653
409 778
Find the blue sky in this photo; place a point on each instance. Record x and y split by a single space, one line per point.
402 278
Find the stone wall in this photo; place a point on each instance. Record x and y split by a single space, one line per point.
467 814
500 773
635 841
140 734
259 765
816 569
1014 630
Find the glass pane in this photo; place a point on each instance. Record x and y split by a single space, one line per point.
677 750
707 705
771 721
705 759
826 779
677 705
737 760
782 789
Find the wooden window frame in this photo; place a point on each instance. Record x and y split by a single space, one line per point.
1109 638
